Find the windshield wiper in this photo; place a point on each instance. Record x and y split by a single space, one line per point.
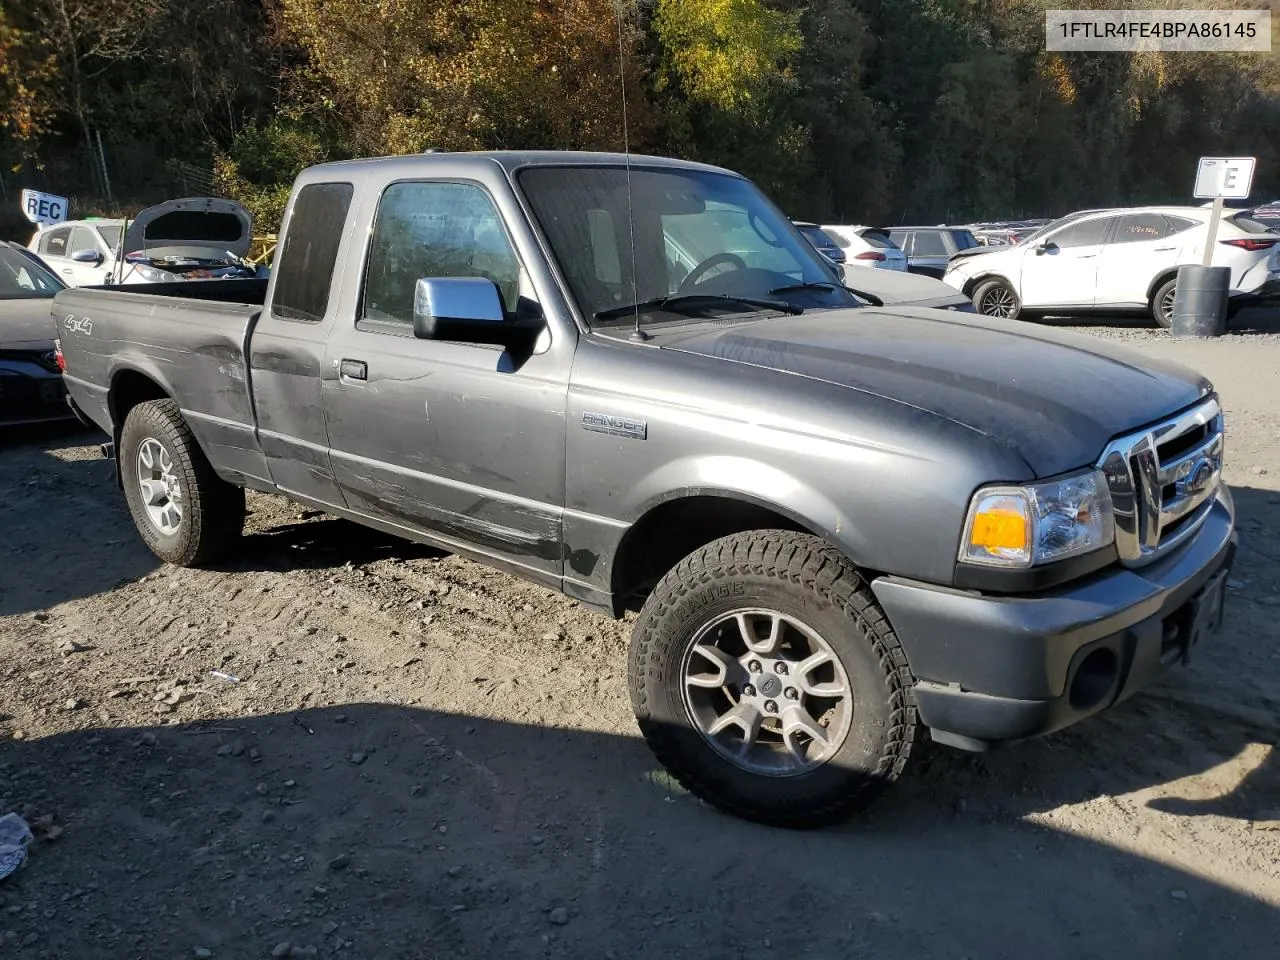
871 298
673 302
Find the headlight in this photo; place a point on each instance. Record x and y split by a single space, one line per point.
151 274
1038 523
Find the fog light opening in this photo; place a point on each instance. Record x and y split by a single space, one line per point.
1094 679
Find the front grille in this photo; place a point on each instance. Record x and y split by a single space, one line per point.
1163 481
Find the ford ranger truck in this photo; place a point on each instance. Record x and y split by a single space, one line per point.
632 380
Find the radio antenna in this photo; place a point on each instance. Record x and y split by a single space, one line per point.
637 335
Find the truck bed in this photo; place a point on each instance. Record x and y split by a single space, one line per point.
189 338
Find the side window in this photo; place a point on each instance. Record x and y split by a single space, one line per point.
1090 233
82 238
1138 227
903 239
1178 224
303 267
54 242
929 244
439 229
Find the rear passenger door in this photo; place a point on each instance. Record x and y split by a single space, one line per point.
464 442
1143 247
287 361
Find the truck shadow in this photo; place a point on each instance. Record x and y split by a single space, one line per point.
320 542
374 829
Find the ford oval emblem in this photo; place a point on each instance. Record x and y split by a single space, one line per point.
1199 477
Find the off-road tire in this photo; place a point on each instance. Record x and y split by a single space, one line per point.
801 576
1163 292
213 510
987 289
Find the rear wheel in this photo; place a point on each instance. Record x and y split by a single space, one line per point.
766 679
997 298
1162 302
185 513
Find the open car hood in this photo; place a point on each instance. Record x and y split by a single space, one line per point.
217 225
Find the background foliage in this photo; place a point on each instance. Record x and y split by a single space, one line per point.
883 111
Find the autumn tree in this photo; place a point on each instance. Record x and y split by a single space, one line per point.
400 76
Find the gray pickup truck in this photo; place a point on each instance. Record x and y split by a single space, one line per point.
633 380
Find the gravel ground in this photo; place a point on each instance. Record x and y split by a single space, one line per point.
422 758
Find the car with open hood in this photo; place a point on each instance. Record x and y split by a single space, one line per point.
196 238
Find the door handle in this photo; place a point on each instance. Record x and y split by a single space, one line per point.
353 370
66 269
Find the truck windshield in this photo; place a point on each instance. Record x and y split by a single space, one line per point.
704 241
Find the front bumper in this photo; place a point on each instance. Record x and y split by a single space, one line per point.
991 669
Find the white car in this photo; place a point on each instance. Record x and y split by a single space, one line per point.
197 238
867 247
1116 261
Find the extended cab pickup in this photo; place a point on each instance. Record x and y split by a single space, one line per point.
633 380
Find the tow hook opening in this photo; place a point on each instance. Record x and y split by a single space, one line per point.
1095 678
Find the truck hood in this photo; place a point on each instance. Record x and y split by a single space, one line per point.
209 223
1055 399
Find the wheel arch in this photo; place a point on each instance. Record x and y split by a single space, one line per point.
971 285
1160 280
129 387
676 525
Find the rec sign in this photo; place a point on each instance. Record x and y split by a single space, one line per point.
44 208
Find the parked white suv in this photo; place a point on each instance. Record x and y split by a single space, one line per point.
81 252
1116 260
196 238
867 247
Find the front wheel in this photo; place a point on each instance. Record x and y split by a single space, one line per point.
185 513
766 679
996 298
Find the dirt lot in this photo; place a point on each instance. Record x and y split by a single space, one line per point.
424 758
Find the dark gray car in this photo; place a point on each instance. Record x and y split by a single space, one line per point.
840 524
928 249
31 389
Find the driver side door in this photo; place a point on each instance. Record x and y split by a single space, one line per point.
462 441
1062 269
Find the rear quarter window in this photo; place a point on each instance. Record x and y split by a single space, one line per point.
304 269
878 239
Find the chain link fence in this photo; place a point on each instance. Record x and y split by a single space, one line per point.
99 175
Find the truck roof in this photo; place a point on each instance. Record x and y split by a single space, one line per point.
511 160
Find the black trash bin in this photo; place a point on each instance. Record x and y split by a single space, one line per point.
1200 301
